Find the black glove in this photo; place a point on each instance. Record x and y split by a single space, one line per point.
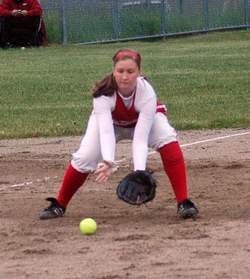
137 187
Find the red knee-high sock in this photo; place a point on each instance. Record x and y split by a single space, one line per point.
72 181
174 166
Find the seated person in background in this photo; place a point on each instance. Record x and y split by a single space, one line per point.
20 22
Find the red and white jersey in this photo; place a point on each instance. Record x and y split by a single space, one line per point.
125 114
122 115
136 111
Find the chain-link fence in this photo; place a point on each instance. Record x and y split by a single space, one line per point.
92 21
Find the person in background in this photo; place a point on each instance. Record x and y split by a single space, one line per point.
20 22
125 106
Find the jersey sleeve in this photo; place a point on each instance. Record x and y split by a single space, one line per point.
35 9
102 109
5 9
146 105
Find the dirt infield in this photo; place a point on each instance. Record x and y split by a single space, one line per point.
146 242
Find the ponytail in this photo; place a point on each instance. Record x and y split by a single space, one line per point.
107 86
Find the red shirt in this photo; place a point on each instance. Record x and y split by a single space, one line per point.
127 117
33 7
123 116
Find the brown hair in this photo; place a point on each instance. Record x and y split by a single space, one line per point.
107 86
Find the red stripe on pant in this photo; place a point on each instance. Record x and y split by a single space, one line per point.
72 181
174 166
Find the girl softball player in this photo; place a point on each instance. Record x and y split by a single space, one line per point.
124 107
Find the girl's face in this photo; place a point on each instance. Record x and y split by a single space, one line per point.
125 73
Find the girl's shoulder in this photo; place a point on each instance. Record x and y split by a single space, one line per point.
144 87
104 103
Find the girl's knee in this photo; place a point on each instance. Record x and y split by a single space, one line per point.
83 164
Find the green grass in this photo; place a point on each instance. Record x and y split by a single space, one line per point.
204 80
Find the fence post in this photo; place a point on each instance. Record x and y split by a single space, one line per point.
180 6
64 36
163 17
205 14
116 19
247 14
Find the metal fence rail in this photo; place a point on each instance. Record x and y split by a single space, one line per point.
93 21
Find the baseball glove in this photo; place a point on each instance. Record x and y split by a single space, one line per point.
137 187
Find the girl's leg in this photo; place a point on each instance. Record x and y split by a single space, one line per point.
174 166
84 161
164 139
72 181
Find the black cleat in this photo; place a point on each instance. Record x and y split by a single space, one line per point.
187 209
53 211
